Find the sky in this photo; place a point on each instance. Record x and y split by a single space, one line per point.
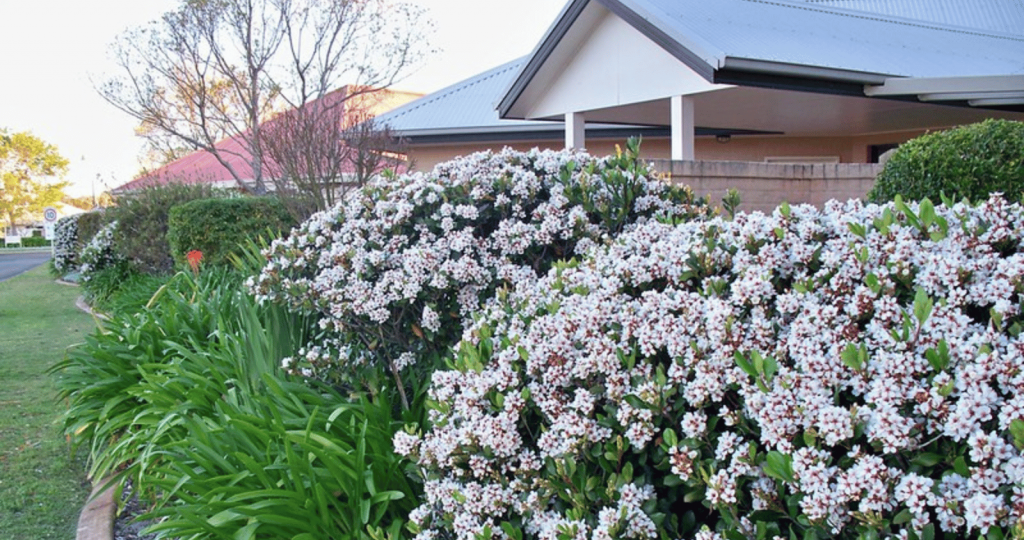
54 53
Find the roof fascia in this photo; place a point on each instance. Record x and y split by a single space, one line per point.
800 71
943 85
540 54
791 83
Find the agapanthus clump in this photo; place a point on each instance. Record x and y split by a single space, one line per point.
852 372
65 244
99 253
396 269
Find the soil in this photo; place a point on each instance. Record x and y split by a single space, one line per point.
125 525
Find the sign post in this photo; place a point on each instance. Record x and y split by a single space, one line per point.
49 223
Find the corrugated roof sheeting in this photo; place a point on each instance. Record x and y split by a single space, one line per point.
1005 16
816 35
466 104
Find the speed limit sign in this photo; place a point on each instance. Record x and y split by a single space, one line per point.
50 214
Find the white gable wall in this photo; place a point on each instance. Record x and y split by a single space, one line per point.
605 62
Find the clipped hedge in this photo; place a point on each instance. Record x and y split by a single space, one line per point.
142 215
218 226
970 162
851 373
34 241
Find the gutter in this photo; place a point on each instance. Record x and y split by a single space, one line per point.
803 71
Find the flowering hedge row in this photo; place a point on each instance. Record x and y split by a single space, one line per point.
99 253
65 244
852 372
396 269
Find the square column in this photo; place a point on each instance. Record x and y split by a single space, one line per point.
682 128
575 131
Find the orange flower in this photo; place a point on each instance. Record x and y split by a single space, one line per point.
194 258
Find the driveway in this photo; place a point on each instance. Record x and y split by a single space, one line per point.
12 264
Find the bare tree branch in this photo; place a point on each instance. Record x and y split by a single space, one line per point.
217 69
321 149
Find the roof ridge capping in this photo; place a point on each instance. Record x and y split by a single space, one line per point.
821 7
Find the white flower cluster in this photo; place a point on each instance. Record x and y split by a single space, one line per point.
832 368
99 253
65 243
398 266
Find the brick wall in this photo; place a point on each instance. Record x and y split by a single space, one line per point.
763 186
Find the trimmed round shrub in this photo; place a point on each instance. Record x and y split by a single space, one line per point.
848 373
141 237
969 162
395 270
65 244
217 227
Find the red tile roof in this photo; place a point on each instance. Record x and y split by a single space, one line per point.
202 167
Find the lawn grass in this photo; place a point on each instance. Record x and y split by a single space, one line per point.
42 486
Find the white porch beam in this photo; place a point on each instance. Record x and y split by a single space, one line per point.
575 130
963 96
682 128
899 86
996 102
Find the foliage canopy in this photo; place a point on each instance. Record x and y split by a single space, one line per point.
28 166
970 162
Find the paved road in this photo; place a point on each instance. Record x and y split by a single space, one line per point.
12 264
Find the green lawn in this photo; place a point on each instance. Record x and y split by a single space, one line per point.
42 487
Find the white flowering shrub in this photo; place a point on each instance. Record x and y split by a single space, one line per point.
65 244
852 372
396 269
99 253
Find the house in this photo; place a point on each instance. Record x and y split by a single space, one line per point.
203 167
767 81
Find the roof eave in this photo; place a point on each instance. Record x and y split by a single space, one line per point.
768 67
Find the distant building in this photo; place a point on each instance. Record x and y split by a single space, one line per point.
203 167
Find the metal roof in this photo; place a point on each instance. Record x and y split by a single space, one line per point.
466 106
750 42
824 36
466 111
1004 16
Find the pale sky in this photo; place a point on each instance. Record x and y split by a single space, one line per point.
52 50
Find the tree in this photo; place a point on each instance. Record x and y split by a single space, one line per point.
318 151
28 167
88 202
213 69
